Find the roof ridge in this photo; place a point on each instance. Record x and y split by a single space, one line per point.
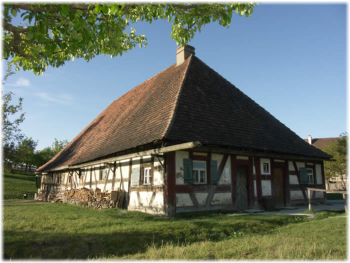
171 120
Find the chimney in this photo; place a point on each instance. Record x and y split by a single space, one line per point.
310 140
182 53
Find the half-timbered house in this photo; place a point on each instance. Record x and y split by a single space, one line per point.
188 140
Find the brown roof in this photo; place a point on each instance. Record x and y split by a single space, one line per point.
189 102
321 143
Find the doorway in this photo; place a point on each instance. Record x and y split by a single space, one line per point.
242 188
279 186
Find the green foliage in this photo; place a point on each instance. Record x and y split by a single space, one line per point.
17 184
10 126
43 156
52 34
338 168
63 231
25 151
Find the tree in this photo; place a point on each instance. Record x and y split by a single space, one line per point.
338 168
46 154
10 128
25 152
52 34
57 146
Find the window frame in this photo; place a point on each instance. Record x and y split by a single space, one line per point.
147 176
262 166
199 170
312 175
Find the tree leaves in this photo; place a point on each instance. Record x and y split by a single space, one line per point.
54 33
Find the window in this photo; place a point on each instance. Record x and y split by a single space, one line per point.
199 172
265 166
147 176
58 178
310 174
103 174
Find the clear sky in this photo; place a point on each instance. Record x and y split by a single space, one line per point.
290 59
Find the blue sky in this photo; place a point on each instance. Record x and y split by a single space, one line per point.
290 59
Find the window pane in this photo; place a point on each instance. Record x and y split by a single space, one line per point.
195 176
197 164
202 176
266 167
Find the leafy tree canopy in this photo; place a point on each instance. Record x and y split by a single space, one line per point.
52 34
338 168
10 119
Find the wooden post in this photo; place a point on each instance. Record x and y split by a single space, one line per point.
309 193
345 196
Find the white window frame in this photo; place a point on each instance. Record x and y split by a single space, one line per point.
262 164
199 170
147 175
310 173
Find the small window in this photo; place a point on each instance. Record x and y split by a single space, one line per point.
199 172
103 174
310 174
147 176
265 166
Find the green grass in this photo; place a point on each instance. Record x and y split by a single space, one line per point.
331 196
17 184
63 231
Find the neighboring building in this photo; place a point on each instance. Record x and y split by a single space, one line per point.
188 140
333 183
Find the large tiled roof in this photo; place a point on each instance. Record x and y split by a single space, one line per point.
189 102
321 143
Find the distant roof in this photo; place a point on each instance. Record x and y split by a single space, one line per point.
189 102
321 143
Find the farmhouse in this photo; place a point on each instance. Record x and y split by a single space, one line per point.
187 140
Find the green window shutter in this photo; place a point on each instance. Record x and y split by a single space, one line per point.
188 169
304 177
214 179
135 176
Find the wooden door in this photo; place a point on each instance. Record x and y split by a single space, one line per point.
242 188
279 186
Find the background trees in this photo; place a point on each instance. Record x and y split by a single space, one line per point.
338 168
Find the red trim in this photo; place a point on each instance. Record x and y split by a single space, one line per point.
199 158
258 179
272 163
233 179
170 184
250 182
188 188
243 162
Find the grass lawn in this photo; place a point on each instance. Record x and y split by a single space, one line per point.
64 231
17 184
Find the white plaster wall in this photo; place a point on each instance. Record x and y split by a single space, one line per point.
255 192
218 158
319 194
183 200
318 173
179 156
293 179
133 200
280 161
145 198
201 198
296 195
266 187
300 164
222 199
158 172
158 200
290 166
226 173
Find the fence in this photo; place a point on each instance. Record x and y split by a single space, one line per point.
345 193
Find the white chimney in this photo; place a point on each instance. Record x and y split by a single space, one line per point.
310 140
182 53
